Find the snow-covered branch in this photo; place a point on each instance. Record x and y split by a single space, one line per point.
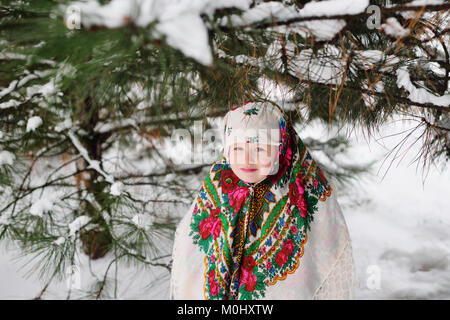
178 21
420 95
94 164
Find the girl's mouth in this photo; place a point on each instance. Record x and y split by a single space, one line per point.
248 170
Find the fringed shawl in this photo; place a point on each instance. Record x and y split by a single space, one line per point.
278 239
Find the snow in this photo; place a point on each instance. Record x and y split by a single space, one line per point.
116 188
77 224
94 164
4 220
369 58
33 123
42 206
9 104
59 241
47 93
188 34
10 88
6 157
334 7
325 65
371 99
178 21
425 2
393 28
281 12
398 226
48 89
25 79
66 124
419 3
317 66
143 221
419 95
321 29
102 127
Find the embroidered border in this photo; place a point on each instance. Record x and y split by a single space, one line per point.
297 259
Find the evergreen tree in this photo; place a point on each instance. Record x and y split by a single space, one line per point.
92 92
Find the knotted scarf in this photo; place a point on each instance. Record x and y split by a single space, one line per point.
275 239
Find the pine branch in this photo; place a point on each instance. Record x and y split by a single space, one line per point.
347 17
289 79
27 191
97 296
156 122
92 163
39 296
184 171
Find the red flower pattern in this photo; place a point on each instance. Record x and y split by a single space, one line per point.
213 284
284 162
288 247
205 227
247 277
294 229
229 181
249 263
296 195
238 197
211 225
321 175
251 283
286 250
281 258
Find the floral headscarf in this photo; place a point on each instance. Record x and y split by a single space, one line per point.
250 238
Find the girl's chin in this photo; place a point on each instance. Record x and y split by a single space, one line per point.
251 178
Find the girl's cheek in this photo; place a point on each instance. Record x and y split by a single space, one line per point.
267 164
268 160
237 157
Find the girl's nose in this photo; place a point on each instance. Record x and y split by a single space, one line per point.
249 155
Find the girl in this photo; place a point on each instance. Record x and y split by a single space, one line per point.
265 223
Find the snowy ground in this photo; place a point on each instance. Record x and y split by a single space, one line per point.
399 228
399 225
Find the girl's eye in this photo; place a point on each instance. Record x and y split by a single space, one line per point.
237 148
260 149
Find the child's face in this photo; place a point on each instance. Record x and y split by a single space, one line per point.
252 162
